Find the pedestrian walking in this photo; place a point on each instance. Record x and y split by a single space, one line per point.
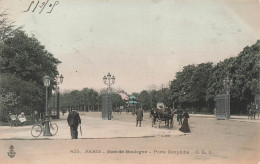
74 121
139 116
35 116
185 125
179 115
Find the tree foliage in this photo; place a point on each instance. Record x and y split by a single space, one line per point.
24 62
84 100
25 57
197 86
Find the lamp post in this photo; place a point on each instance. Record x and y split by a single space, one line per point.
59 81
109 81
46 81
227 85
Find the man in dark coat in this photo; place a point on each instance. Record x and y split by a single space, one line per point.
35 116
139 116
179 115
74 121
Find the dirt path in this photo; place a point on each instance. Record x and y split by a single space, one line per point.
210 141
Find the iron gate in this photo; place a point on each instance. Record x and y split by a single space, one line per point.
222 107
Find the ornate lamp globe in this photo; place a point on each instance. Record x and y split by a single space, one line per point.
61 78
46 81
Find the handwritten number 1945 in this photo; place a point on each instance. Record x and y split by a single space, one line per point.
42 6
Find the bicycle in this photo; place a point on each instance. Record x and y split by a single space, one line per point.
38 128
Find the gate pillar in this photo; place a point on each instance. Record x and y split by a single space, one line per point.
222 107
106 106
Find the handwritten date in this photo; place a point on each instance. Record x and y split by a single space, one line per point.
41 6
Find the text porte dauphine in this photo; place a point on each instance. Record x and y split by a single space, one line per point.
176 152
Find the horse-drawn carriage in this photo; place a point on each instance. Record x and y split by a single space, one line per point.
162 113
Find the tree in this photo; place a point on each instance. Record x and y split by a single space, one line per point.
154 98
6 28
25 57
24 62
243 70
85 99
245 76
144 100
166 97
117 100
181 86
18 95
215 84
199 82
8 103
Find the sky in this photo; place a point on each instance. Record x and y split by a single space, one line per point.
142 43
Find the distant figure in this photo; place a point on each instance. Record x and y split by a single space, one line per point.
63 111
185 125
139 116
251 111
179 115
13 119
74 121
35 116
21 118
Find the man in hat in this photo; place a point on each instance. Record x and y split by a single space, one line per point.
179 115
35 116
74 121
139 116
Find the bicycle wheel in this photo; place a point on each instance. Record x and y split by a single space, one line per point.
36 130
53 128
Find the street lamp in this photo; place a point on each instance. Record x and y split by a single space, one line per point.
46 82
61 78
109 81
59 81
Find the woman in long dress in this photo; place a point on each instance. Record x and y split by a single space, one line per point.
185 125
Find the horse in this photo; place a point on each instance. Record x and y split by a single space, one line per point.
159 116
154 116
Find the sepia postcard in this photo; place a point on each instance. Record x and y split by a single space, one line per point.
129 81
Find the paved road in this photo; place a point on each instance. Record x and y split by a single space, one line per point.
119 141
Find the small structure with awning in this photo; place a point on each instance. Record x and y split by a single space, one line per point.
132 100
132 103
